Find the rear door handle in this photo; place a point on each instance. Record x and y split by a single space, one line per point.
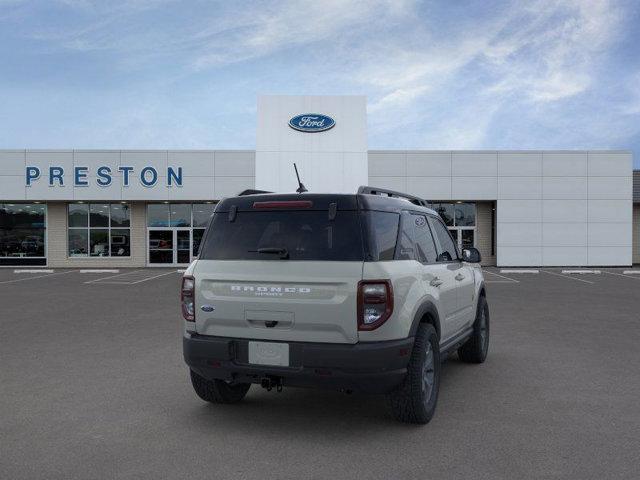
459 277
436 282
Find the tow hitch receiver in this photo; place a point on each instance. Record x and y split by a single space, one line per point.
270 382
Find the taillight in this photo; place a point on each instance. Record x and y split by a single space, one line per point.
375 303
187 298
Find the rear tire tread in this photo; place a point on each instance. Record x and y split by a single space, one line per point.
473 351
406 401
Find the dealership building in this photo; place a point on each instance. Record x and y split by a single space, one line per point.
136 208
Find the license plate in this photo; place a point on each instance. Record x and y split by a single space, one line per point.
269 353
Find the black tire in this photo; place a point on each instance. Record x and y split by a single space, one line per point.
415 400
218 391
476 348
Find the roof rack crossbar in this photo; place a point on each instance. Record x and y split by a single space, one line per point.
392 193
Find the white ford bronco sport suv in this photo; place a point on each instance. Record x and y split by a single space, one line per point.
361 292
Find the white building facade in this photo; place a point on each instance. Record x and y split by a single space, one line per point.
98 208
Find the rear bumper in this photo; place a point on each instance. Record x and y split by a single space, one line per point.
372 367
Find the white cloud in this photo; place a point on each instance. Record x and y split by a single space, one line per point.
221 33
545 53
398 97
284 25
553 57
432 81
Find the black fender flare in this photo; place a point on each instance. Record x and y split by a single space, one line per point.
482 291
427 308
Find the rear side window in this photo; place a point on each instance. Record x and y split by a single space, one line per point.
303 235
416 242
425 248
383 234
447 251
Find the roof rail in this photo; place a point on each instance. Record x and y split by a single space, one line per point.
392 193
251 191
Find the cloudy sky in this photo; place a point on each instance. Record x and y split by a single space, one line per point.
452 75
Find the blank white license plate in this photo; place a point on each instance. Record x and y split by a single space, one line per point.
269 353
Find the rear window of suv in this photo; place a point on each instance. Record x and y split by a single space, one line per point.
302 234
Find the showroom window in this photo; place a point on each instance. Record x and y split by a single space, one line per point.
23 233
99 230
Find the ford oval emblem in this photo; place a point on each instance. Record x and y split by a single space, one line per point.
207 308
312 122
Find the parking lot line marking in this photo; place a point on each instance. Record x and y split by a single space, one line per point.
39 276
104 270
499 281
567 276
513 270
581 272
631 272
621 275
34 271
112 276
151 278
501 276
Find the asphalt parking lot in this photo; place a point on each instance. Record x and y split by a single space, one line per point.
92 385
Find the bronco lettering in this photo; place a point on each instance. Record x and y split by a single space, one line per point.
262 289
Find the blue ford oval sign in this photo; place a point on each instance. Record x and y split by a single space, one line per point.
311 122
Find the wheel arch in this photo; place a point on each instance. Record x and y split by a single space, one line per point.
426 313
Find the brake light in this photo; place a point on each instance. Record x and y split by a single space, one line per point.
187 298
375 303
284 204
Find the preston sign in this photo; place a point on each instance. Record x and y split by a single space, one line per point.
312 122
56 176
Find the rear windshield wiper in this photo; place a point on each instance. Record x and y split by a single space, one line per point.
283 252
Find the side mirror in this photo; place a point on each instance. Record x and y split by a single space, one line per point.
471 255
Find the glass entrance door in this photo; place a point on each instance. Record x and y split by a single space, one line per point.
170 246
183 246
174 231
161 247
464 237
467 237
